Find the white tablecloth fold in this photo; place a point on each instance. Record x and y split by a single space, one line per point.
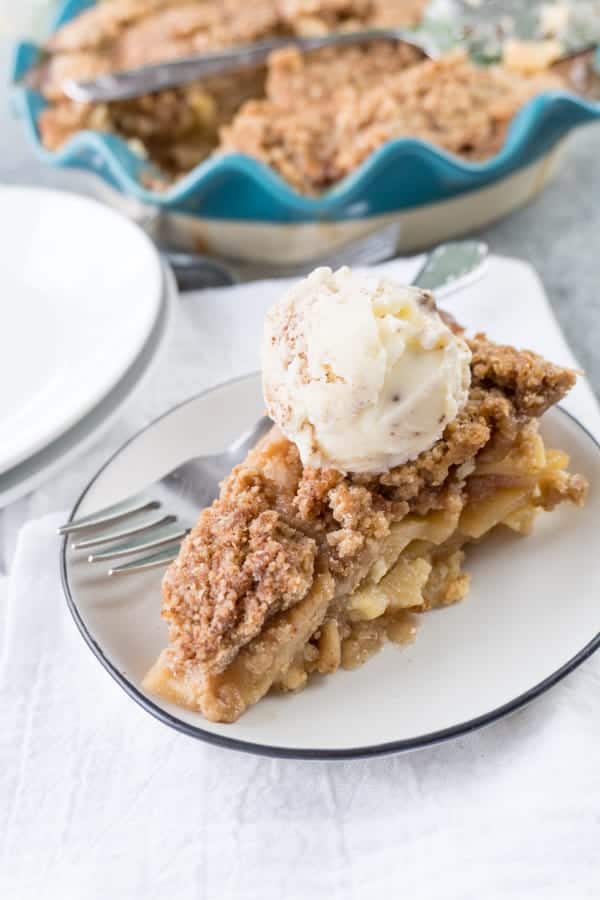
99 800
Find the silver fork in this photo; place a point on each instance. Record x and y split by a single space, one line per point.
140 523
478 31
158 76
194 271
151 525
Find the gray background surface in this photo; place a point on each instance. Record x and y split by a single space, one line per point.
559 233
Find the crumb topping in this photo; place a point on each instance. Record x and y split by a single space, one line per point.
531 383
560 486
355 107
255 551
295 78
241 564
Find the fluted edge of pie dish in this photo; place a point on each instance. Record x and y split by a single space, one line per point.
403 174
312 754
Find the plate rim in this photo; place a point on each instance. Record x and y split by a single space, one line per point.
368 751
104 415
32 445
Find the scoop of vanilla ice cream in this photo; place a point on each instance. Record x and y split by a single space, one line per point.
361 373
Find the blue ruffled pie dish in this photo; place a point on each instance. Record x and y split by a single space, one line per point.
235 205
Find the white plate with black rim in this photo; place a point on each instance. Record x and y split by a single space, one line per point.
531 617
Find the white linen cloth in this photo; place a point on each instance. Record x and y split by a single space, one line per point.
97 799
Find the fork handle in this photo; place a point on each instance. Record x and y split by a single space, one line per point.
148 79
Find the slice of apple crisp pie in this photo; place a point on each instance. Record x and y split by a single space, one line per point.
398 441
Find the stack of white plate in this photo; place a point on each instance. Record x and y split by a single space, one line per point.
85 309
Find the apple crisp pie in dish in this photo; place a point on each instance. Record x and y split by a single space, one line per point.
398 442
178 128
320 121
313 118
